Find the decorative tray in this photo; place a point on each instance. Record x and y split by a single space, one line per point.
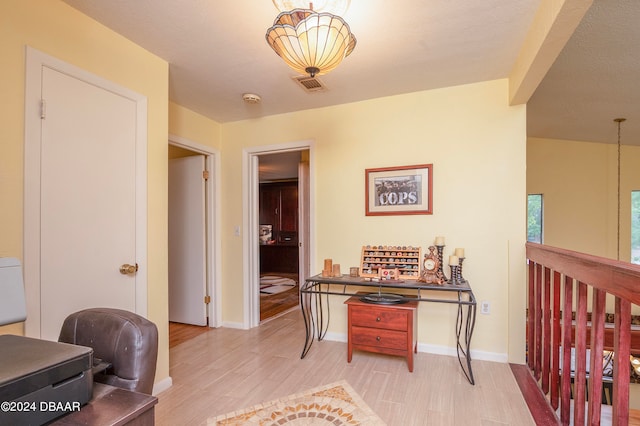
383 298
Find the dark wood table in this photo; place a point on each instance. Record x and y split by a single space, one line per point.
314 301
111 406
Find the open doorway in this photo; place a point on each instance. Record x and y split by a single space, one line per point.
279 218
276 245
193 305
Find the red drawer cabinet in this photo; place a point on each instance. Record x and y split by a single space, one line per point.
385 329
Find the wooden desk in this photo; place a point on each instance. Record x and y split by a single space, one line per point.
111 406
316 290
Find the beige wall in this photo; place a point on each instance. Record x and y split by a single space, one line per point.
476 143
578 181
474 139
193 126
60 31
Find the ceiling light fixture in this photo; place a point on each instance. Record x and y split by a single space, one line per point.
310 42
335 7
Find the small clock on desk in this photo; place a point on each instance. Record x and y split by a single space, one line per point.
431 268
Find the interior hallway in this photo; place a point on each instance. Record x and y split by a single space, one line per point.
228 369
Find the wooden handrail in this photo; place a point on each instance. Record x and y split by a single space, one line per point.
622 279
553 272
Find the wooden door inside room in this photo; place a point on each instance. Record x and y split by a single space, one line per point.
83 222
187 240
195 226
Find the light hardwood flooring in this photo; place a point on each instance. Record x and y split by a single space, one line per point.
229 369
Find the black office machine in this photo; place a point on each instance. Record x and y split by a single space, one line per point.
39 379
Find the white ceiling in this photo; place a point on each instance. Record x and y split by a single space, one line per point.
595 79
217 51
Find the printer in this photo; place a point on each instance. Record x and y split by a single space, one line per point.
40 380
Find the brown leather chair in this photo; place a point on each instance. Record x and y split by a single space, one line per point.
123 339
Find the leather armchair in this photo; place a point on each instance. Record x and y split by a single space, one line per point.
124 339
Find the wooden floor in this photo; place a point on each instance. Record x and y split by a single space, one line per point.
272 305
180 333
229 369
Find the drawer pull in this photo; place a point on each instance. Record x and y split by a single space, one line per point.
378 338
378 319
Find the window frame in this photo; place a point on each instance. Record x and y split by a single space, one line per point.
540 218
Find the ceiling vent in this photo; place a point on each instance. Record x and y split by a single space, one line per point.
310 84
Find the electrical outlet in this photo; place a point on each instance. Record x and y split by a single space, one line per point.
485 307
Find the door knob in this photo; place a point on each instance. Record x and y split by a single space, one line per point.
127 269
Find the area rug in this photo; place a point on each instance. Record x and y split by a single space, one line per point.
273 284
333 404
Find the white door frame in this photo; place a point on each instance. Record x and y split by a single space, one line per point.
251 222
35 62
212 220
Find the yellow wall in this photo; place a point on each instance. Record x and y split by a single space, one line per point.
59 30
476 143
193 126
578 181
474 139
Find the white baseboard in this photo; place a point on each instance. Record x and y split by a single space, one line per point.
237 325
436 349
162 385
479 355
336 337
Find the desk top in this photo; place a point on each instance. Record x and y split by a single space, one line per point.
403 284
109 406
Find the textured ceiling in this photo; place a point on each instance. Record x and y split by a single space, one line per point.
217 51
595 79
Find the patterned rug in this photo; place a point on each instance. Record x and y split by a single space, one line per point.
272 284
333 404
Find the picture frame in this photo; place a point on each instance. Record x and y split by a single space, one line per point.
404 190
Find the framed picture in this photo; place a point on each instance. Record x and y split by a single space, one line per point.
399 190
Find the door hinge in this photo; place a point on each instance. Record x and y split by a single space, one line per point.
205 174
43 109
207 300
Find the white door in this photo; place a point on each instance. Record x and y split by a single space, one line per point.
187 241
88 194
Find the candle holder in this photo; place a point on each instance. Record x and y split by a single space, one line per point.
440 263
455 271
460 277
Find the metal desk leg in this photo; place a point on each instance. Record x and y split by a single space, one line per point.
463 348
313 313
309 325
323 325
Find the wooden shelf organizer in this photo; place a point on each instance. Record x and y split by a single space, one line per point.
406 259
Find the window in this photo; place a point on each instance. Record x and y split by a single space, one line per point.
635 227
534 218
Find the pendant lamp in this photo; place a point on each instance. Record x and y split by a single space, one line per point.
619 121
310 42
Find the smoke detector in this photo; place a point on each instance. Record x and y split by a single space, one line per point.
251 98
